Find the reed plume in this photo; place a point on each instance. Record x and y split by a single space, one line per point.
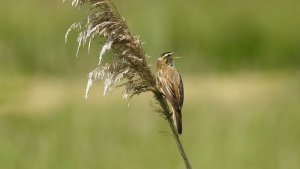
127 67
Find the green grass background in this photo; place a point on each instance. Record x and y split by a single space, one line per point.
240 66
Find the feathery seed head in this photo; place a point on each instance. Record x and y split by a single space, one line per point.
128 63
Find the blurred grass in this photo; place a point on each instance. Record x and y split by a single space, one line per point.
241 120
209 35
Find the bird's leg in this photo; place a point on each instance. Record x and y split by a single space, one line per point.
170 114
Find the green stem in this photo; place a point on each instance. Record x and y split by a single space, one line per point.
164 105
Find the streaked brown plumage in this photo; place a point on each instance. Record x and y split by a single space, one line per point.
169 82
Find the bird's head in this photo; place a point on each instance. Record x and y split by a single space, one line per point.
166 58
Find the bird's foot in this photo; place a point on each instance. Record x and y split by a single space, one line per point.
169 115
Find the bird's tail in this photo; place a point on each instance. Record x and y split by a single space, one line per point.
177 120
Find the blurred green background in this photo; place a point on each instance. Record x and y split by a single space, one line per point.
240 66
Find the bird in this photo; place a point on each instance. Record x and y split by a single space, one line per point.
169 83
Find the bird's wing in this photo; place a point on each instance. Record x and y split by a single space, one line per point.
180 92
170 84
165 86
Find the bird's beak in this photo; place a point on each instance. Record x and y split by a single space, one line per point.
176 57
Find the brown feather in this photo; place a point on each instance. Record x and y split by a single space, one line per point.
170 84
